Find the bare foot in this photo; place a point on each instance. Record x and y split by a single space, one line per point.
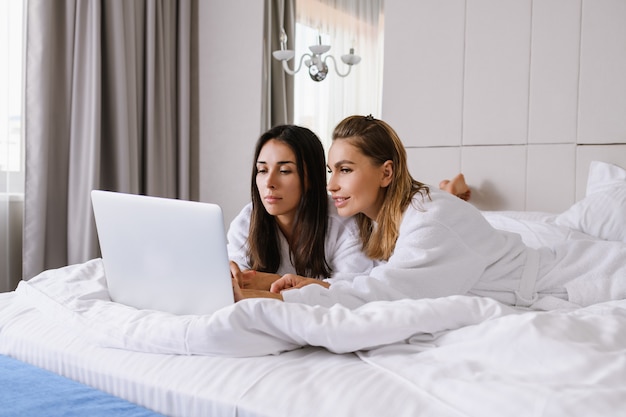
457 187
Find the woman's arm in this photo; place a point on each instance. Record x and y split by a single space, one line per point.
292 281
243 293
255 280
440 251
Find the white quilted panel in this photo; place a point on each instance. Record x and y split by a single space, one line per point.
431 165
602 106
551 183
497 57
543 93
554 71
424 70
496 176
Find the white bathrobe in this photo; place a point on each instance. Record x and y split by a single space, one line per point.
343 248
446 247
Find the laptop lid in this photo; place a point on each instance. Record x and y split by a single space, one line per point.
163 254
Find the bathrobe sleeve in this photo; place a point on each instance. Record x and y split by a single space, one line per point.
343 248
443 249
237 237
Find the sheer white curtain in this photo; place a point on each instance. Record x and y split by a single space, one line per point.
11 144
343 24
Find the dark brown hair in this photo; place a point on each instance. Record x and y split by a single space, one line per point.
306 251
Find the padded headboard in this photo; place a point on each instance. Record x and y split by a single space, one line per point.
519 95
534 177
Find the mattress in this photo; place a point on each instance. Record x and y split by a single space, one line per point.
26 390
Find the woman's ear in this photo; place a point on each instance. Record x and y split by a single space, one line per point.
387 171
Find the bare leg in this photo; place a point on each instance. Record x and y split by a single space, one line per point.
457 187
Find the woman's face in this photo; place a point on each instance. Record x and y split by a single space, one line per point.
278 181
356 184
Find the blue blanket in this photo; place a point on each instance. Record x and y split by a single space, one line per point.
28 391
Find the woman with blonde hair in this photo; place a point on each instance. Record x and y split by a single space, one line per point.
379 230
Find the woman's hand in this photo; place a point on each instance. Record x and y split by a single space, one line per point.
251 279
237 291
235 273
243 293
290 281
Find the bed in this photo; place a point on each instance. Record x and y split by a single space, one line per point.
451 356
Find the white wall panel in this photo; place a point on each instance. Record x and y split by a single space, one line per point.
613 154
230 80
554 64
540 75
423 73
497 63
431 165
602 106
496 175
550 185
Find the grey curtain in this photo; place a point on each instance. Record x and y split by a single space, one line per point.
108 106
277 105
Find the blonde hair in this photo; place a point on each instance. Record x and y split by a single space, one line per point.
380 143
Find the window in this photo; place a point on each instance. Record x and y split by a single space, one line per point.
11 144
342 24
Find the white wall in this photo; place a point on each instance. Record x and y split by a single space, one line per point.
230 62
513 93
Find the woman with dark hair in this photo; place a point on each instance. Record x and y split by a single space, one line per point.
288 227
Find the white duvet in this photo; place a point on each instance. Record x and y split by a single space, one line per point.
77 295
470 355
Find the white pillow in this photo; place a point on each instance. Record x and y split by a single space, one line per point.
602 213
603 176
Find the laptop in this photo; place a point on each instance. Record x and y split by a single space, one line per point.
163 254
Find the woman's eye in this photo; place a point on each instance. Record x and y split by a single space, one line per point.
261 171
345 170
285 171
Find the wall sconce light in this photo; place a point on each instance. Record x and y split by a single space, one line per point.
318 68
